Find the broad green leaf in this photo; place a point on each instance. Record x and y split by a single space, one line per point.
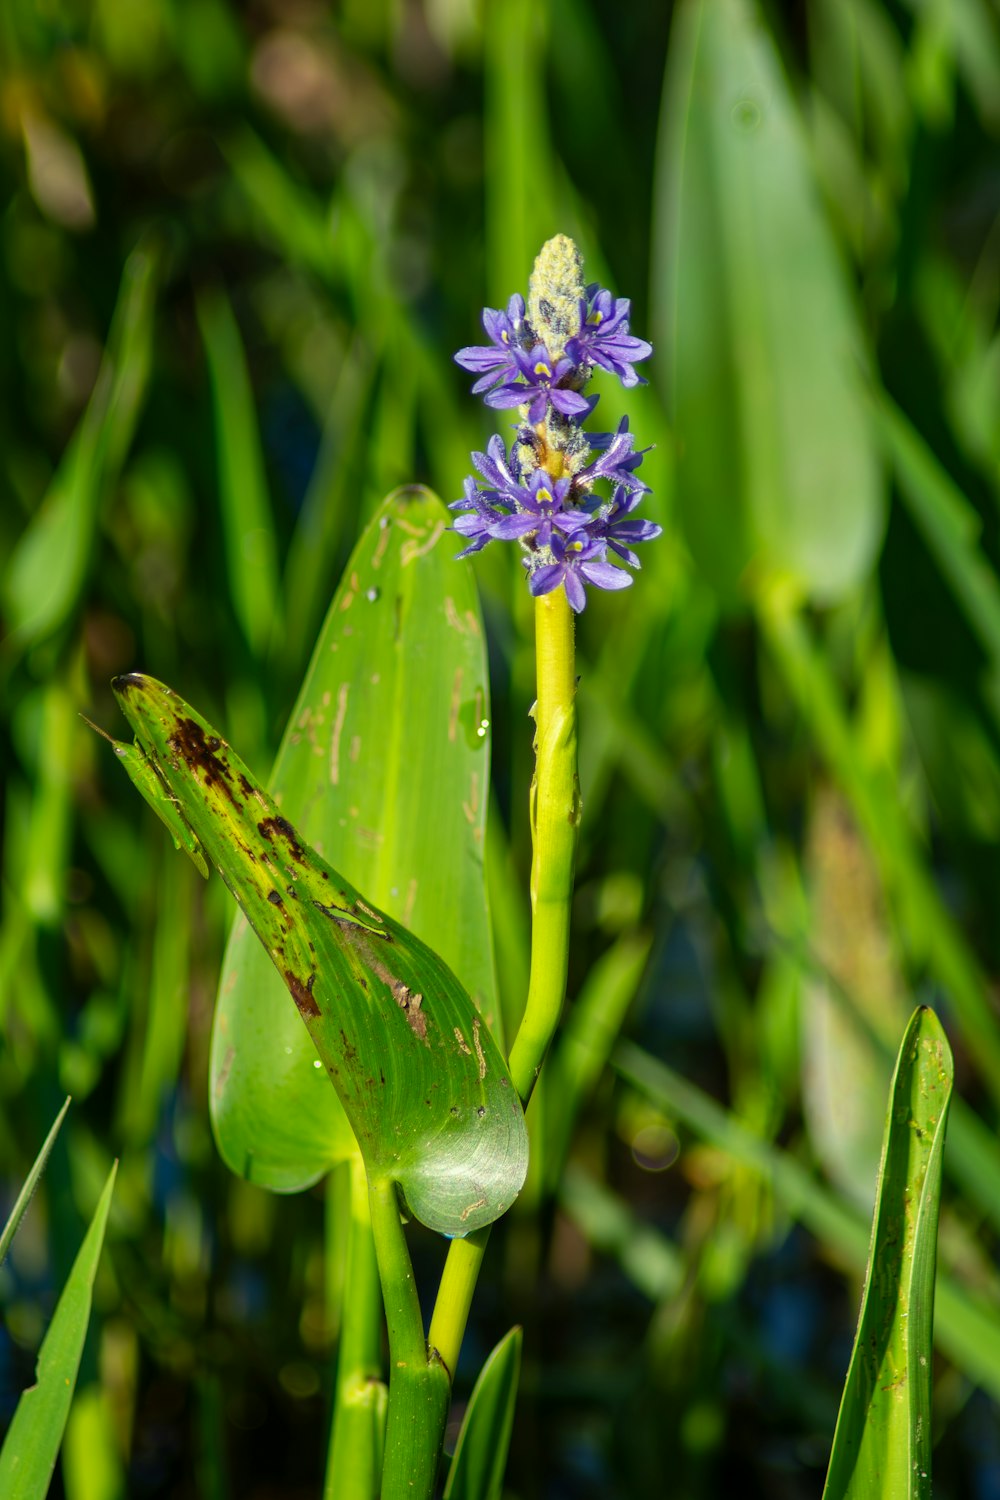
883 1439
30 1183
247 521
776 472
384 767
422 1082
49 564
477 1468
32 1443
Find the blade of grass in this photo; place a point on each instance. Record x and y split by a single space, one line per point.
30 1183
882 1443
967 1327
930 931
48 568
247 515
31 1446
477 1468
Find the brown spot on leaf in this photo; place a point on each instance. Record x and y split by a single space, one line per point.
274 898
302 994
410 1003
200 752
277 826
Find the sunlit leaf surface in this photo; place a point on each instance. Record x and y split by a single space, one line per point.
420 1077
776 475
883 1440
32 1443
383 768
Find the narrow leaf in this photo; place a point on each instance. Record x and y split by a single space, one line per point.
384 768
32 1442
49 564
477 1468
422 1082
30 1183
883 1440
248 525
967 1327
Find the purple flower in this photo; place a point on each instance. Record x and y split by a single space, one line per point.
617 458
539 509
546 382
543 494
495 361
619 532
604 338
576 563
477 525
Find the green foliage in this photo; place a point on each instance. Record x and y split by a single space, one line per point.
883 1440
31 1445
757 320
30 1184
423 1085
237 255
480 1458
383 766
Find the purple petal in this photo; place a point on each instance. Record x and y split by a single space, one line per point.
546 579
604 576
633 531
511 395
509 527
575 591
481 357
569 403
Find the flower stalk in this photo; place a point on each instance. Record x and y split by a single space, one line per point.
545 495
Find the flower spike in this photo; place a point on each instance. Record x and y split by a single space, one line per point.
543 494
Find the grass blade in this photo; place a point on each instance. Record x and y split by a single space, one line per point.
30 1183
477 1468
883 1439
49 564
32 1442
247 518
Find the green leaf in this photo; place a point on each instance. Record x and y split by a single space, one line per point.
384 767
422 1081
883 1440
967 1326
49 564
151 786
247 521
477 1468
30 1183
777 475
32 1442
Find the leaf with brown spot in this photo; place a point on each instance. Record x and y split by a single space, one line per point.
394 817
375 999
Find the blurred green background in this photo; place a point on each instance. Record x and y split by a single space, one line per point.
237 250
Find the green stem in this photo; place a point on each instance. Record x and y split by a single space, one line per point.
355 1460
555 816
419 1384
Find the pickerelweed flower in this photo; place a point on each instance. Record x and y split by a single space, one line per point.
542 494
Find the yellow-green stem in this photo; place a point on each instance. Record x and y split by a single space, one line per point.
555 816
355 1463
419 1387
